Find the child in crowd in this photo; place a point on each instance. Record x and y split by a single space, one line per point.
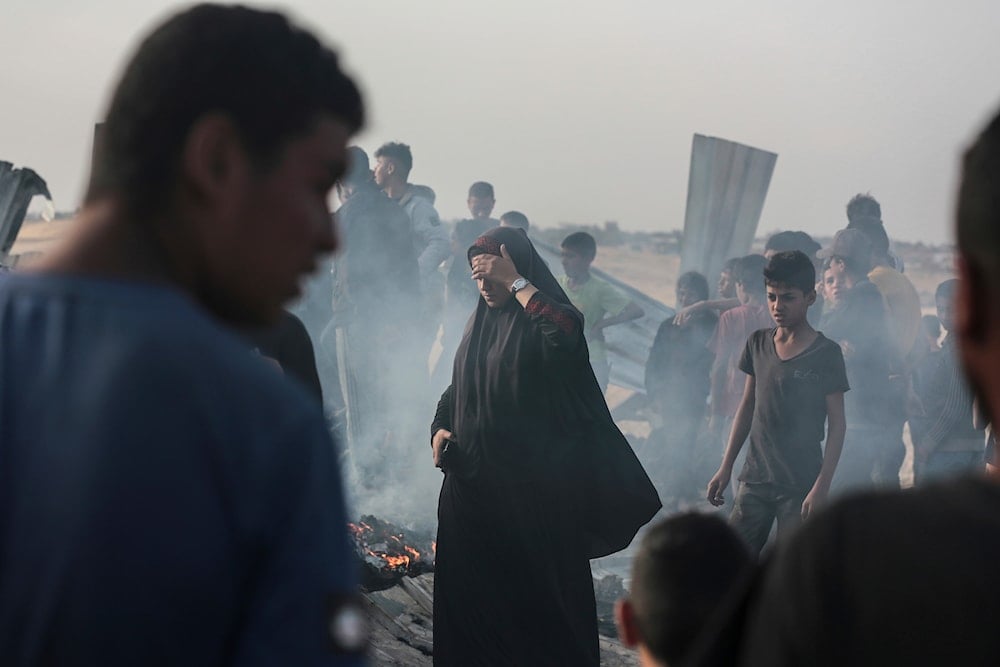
788 241
601 304
515 219
726 287
945 439
677 390
725 295
686 567
855 318
795 384
730 337
780 242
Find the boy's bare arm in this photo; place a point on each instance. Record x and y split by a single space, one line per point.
721 305
738 435
632 311
836 429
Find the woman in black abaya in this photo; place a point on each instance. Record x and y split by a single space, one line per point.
538 479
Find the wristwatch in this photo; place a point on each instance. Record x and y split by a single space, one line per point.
518 285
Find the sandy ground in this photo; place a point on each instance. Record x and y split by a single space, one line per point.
39 236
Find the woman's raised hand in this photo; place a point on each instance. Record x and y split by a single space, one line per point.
496 269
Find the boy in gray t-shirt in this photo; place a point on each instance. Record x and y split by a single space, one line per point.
795 382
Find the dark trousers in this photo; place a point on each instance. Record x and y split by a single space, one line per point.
758 505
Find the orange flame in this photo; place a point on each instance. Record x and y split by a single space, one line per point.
362 531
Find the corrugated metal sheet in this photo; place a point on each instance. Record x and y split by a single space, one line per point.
727 186
17 187
628 344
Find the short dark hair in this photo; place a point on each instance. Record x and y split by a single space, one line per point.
685 568
850 265
398 153
749 272
270 78
581 242
946 290
481 190
730 265
863 206
358 168
793 269
516 219
785 241
695 282
978 228
874 231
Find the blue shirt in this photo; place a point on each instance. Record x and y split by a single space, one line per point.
166 498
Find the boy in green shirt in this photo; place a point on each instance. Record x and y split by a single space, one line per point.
601 304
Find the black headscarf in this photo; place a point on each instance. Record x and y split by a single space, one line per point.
526 409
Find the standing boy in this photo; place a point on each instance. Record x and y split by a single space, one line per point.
677 389
855 318
461 294
601 304
898 578
795 382
392 172
946 441
729 340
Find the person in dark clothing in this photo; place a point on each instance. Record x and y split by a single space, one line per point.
855 318
725 297
795 384
946 441
287 343
880 578
677 384
728 342
376 296
902 305
460 291
686 567
905 578
780 242
538 479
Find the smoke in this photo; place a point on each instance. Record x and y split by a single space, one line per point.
379 399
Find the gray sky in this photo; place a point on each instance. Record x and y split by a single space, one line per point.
583 111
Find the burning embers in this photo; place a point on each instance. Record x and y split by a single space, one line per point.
387 553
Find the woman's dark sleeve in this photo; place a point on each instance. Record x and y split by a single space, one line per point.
560 326
442 416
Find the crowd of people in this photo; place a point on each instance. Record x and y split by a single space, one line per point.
168 496
862 361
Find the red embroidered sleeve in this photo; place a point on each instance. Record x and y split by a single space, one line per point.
541 308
